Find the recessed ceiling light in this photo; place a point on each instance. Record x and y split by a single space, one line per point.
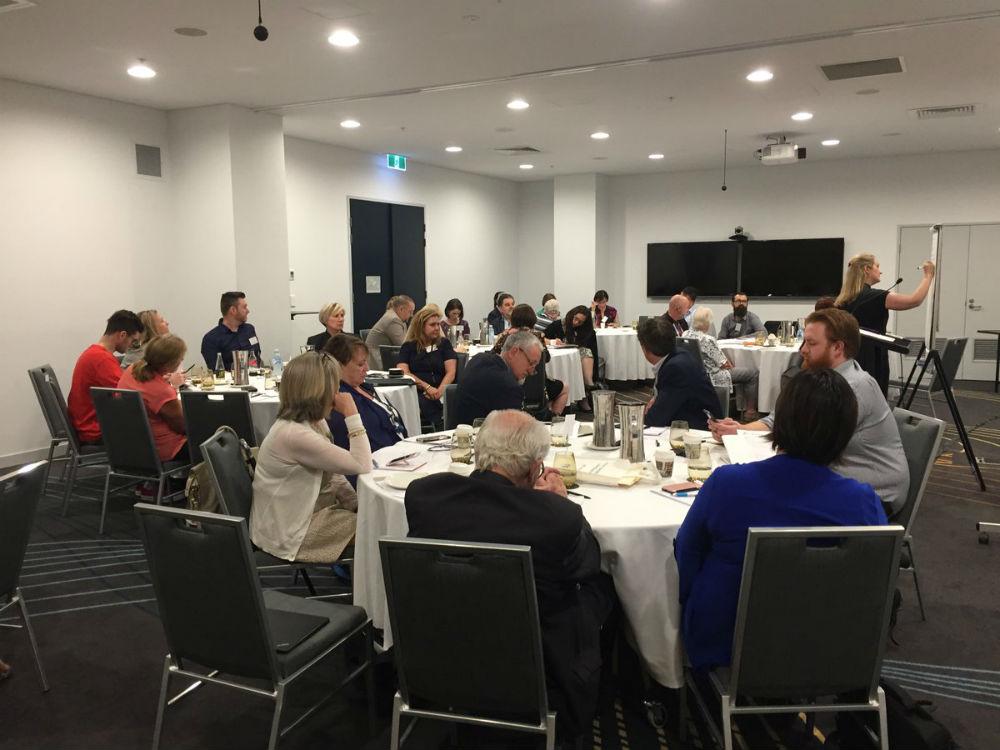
656 156
527 166
802 116
141 70
600 135
350 124
517 104
760 75
830 142
190 31
343 38
453 149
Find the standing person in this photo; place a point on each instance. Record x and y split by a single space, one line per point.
331 317
428 358
604 314
454 315
98 368
499 317
390 329
150 376
739 322
871 309
232 334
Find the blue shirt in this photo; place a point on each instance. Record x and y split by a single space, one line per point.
220 340
683 391
710 546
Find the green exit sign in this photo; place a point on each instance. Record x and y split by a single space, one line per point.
396 161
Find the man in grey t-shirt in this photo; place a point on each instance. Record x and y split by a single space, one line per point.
739 322
875 453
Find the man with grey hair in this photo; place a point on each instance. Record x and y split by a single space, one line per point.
390 329
512 499
493 381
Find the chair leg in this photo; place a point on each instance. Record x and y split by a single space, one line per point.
916 582
307 581
370 678
279 702
397 703
550 732
162 705
104 501
23 609
159 489
72 459
48 466
727 724
883 722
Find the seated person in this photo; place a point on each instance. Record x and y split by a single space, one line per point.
578 329
390 329
739 322
814 420
677 310
681 389
331 317
493 381
511 499
540 312
303 507
523 318
603 314
824 303
875 454
720 369
549 314
499 317
97 367
381 419
428 357
232 334
454 315
692 295
153 324
150 376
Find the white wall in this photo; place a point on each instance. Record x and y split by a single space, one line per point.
535 269
471 227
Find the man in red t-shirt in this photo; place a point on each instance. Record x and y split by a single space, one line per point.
97 367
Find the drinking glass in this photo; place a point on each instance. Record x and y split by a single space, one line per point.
699 458
760 338
664 462
558 431
678 429
461 445
565 462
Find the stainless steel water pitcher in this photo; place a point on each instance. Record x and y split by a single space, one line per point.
241 368
484 332
632 421
604 418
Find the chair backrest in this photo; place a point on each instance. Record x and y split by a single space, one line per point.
722 392
951 360
204 413
363 333
450 415
772 326
125 429
692 346
389 354
813 613
535 395
53 403
921 437
20 491
461 360
223 456
207 590
465 624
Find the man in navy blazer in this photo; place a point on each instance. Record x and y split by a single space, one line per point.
682 389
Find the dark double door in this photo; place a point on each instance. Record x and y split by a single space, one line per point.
387 245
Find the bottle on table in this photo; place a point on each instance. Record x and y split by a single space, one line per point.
220 368
277 365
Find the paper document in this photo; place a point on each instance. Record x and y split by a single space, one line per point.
747 446
400 457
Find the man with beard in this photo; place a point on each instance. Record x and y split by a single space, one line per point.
875 453
739 322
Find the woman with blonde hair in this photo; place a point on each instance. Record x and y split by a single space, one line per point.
150 376
331 315
871 309
428 358
154 325
303 507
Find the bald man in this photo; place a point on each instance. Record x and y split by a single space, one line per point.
676 310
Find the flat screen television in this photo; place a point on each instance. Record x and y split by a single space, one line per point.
792 268
709 266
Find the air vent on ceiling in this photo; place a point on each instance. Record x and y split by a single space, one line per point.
862 68
517 150
955 110
147 160
6 5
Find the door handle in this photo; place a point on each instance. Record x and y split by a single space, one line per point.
974 307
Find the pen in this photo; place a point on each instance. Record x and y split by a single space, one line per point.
577 494
399 459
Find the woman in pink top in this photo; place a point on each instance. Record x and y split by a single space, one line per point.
149 376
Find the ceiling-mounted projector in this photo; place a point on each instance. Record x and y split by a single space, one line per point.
780 152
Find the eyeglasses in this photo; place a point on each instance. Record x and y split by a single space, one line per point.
531 365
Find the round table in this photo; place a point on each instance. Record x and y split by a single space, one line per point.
635 527
564 364
769 361
623 358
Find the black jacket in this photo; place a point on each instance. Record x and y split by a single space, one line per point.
574 597
683 391
487 384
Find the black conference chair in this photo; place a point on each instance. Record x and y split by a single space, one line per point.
204 413
811 624
19 494
221 628
467 641
536 399
722 393
692 347
53 405
129 442
448 399
363 333
461 360
921 438
389 355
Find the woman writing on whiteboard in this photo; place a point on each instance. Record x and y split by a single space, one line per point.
871 308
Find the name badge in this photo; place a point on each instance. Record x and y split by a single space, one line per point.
253 340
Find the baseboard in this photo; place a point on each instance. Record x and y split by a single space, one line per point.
11 460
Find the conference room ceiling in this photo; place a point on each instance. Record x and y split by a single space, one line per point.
677 106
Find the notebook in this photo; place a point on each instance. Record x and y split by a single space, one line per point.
289 629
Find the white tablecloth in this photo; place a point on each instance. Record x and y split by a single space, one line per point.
770 361
622 355
636 530
564 365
